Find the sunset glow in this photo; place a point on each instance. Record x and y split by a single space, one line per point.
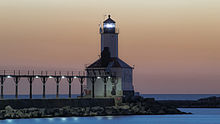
174 45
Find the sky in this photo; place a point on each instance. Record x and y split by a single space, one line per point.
173 44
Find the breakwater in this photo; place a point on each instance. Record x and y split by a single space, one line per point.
43 108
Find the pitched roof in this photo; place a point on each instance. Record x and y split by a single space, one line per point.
113 62
109 20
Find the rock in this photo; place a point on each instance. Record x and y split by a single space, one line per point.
7 115
80 111
149 111
28 115
1 116
56 114
124 107
93 113
66 107
86 114
61 111
161 111
136 109
9 109
142 112
34 114
74 113
87 109
9 112
41 112
32 109
2 112
97 108
66 110
108 110
49 111
19 114
115 107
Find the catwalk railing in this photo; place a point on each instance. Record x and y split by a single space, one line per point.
92 74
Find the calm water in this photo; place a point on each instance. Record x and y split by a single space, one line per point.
156 96
178 96
199 116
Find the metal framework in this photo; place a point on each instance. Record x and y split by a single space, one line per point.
16 75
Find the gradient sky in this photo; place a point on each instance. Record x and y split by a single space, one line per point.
174 44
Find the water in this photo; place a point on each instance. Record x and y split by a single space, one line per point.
156 96
199 116
178 96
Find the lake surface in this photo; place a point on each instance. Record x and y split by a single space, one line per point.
199 116
178 96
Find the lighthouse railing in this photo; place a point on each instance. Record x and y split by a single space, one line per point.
101 31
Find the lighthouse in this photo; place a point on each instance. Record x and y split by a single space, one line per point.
120 84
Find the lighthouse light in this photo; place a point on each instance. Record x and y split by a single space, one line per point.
109 25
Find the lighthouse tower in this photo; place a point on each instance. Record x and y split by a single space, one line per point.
109 62
109 37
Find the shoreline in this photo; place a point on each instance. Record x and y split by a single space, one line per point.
90 116
135 106
115 115
209 102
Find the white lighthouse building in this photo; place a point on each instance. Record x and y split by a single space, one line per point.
121 82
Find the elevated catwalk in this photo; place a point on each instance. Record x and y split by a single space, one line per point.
56 75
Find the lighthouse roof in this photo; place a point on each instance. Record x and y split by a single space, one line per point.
113 62
109 20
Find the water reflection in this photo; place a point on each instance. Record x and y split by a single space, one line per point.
75 118
51 119
63 119
37 119
9 120
109 117
99 117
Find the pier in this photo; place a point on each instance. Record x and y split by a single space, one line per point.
90 74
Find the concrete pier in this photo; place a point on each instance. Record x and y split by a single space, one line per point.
55 103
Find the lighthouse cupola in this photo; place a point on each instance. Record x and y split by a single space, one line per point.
109 25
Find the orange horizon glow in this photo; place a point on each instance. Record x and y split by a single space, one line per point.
174 44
